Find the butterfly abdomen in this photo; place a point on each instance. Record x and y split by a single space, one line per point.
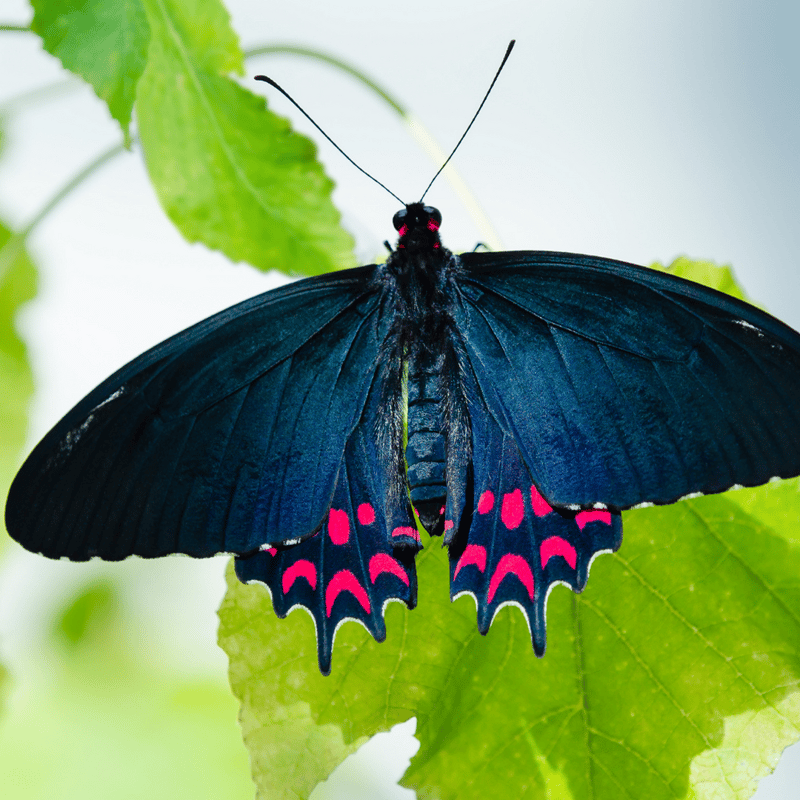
425 450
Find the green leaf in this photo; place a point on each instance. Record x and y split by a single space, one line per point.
677 671
17 286
103 41
228 172
706 272
675 674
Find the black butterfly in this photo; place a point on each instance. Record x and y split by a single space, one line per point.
545 392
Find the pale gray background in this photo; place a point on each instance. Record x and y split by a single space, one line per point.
639 131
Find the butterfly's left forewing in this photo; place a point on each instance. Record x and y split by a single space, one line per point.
229 435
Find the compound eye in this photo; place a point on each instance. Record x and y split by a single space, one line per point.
399 219
434 214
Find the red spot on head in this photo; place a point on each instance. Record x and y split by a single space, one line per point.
516 565
556 546
583 518
432 226
540 506
486 502
345 581
512 510
473 554
338 526
300 569
402 231
366 514
436 245
406 530
383 562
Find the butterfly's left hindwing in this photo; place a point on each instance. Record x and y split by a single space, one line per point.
362 557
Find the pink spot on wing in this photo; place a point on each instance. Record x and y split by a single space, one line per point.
486 502
300 569
406 531
583 518
473 554
513 510
345 581
515 565
441 511
366 514
556 546
448 524
266 548
540 506
382 562
338 526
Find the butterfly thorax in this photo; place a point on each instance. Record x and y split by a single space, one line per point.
419 271
418 276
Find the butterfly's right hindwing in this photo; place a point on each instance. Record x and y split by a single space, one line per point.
511 546
228 435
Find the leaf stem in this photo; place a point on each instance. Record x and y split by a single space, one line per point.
7 27
15 243
54 89
319 55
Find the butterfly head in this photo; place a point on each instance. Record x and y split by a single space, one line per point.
417 226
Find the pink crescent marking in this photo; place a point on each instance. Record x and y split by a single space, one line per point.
300 569
556 546
366 514
583 518
406 531
486 503
540 506
345 581
513 510
473 554
338 526
382 562
515 564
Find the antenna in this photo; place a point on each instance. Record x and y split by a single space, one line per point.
311 120
361 169
485 98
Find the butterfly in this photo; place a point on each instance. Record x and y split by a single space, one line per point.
513 403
